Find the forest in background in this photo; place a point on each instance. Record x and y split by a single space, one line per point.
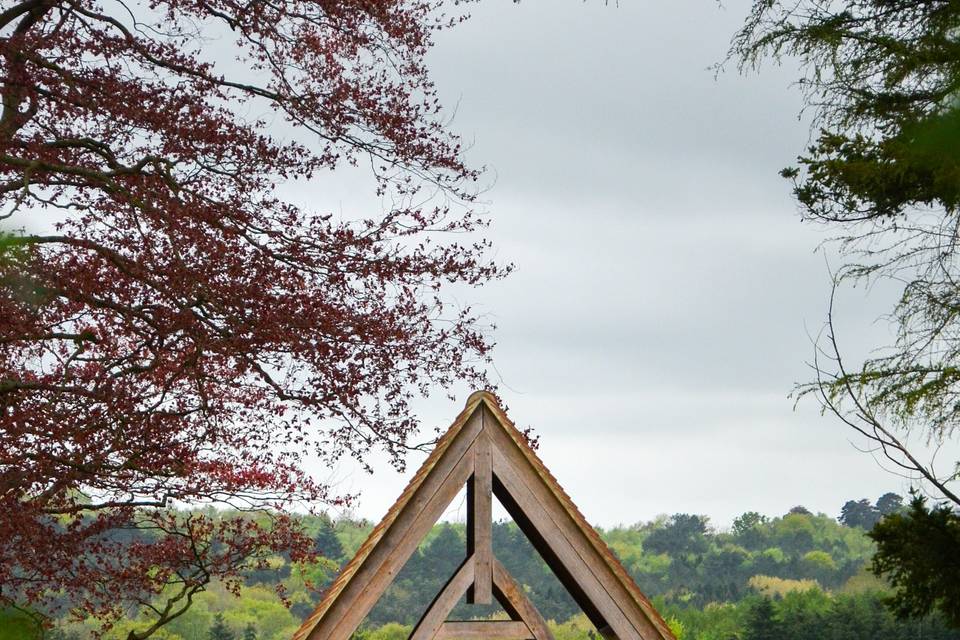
797 576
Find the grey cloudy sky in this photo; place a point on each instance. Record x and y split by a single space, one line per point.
665 287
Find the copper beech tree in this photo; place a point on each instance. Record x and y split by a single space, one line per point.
173 330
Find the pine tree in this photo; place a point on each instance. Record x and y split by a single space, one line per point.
761 624
326 541
219 629
889 503
859 513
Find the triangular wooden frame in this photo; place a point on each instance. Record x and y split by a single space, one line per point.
483 450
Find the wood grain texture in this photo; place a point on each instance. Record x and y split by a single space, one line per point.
480 523
484 630
548 527
398 543
635 604
436 614
515 602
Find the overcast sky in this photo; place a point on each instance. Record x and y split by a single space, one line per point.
666 289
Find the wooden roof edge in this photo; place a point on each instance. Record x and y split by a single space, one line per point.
345 575
609 558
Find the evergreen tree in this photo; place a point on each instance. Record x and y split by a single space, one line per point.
326 541
748 529
889 503
683 534
761 623
249 632
219 629
917 553
859 513
446 551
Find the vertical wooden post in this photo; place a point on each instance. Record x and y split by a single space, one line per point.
479 523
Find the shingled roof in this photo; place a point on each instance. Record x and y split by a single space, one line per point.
541 508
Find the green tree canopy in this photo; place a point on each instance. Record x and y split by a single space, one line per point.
881 79
683 534
859 513
917 551
889 503
327 543
761 624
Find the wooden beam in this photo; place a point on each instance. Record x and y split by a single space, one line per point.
484 630
436 614
391 552
548 528
479 523
515 602
586 543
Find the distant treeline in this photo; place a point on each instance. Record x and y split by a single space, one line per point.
796 576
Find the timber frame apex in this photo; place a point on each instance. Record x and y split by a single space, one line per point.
483 450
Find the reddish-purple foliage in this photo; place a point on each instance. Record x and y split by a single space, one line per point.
185 335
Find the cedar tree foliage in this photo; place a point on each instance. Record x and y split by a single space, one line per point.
173 330
917 551
881 81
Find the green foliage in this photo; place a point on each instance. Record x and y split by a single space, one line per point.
391 631
195 622
748 529
676 626
882 81
351 534
683 534
859 513
818 565
16 624
706 586
578 627
919 553
883 78
889 503
123 628
326 540
771 586
219 630
761 624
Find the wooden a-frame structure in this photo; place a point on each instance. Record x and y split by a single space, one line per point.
483 450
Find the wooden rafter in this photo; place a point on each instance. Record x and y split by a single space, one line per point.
483 450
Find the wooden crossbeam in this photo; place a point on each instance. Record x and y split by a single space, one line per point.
516 604
443 604
479 523
485 630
